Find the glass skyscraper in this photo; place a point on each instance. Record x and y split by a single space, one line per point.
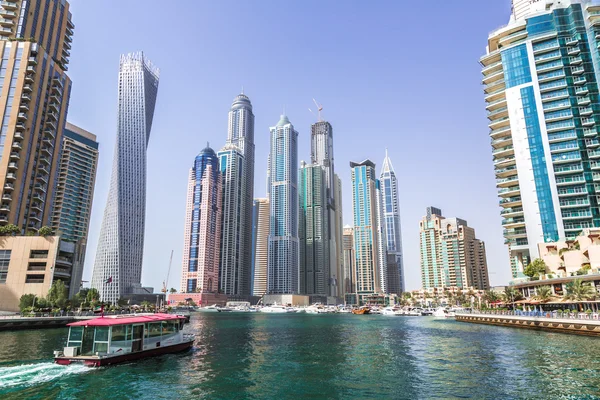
282 275
202 232
540 77
392 234
121 245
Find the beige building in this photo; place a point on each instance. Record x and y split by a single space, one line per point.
33 61
260 236
566 258
29 265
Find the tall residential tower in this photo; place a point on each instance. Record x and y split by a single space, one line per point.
540 79
283 272
121 245
35 39
260 240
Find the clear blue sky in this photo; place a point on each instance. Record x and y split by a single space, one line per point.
397 74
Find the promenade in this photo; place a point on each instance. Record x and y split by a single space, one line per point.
42 320
587 324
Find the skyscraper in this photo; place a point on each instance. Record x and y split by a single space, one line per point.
321 153
392 234
74 194
314 231
202 232
451 255
35 38
120 247
366 231
236 261
260 240
540 76
381 242
231 270
349 266
283 260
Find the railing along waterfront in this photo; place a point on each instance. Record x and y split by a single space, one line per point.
577 315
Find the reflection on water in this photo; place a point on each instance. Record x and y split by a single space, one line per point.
271 356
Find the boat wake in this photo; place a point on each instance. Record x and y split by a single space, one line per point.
33 374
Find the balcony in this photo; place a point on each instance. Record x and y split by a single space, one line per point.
32 61
67 45
496 75
29 78
49 133
503 152
47 150
513 222
44 160
500 112
18 136
575 60
25 97
496 104
576 191
40 188
11 176
501 122
577 215
507 182
15 156
24 107
587 122
583 100
500 132
20 126
27 88
508 171
38 197
590 132
5 31
35 217
577 70
7 197
515 233
17 146
13 166
7 13
52 116
53 106
512 212
502 142
538 49
586 111
494 86
9 186
36 206
572 40
5 207
22 116
569 203
30 69
9 5
51 124
511 202
572 51
504 162
8 23
509 191
42 178
579 80
569 180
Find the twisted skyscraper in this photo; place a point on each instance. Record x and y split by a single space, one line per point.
118 266
237 168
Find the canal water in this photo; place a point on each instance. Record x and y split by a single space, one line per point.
303 356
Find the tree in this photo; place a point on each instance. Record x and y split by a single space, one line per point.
26 301
45 231
92 296
490 296
146 305
535 268
58 294
579 291
543 293
173 290
10 230
511 295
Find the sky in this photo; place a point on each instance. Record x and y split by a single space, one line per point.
401 75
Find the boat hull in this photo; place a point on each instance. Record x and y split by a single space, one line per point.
361 312
99 362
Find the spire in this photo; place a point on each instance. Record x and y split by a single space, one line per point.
387 164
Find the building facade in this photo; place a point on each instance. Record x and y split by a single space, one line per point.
30 264
349 264
381 242
202 231
35 39
121 245
451 255
393 233
232 272
260 244
366 230
540 77
337 275
314 231
237 266
75 185
283 272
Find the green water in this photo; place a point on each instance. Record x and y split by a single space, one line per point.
302 356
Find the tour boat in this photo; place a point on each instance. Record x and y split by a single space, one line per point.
361 311
115 339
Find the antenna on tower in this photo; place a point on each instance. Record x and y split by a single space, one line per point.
319 109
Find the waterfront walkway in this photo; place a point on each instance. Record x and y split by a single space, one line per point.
573 323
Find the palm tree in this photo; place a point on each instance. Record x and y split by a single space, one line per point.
543 293
173 290
579 291
511 295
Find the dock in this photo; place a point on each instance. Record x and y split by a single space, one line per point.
579 325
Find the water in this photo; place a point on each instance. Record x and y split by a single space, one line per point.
300 356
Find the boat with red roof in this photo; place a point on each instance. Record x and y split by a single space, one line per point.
114 339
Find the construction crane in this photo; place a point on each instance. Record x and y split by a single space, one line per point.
166 281
319 109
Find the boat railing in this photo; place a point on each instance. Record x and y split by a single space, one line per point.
554 314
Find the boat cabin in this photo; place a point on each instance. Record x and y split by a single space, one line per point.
123 334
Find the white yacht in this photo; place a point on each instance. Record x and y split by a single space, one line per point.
391 311
213 308
277 308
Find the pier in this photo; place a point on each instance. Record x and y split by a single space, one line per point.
16 322
572 323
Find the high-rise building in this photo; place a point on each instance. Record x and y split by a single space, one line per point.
381 242
202 232
260 241
451 255
35 39
231 270
336 269
540 77
283 273
75 193
366 230
121 245
313 231
321 153
349 259
236 259
75 186
392 234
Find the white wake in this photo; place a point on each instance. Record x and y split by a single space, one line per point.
33 374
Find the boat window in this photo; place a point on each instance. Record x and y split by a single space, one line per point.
75 336
169 327
154 329
118 332
101 339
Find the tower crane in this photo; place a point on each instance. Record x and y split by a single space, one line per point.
166 281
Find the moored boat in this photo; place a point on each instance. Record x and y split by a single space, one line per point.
361 311
115 339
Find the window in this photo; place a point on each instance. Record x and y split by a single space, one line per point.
36 266
4 261
38 254
29 278
75 336
101 339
